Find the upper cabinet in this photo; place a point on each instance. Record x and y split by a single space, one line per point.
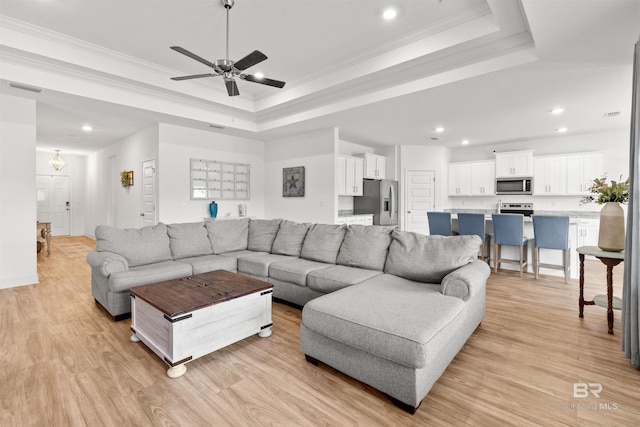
550 176
514 163
459 179
483 178
472 178
582 169
374 166
350 174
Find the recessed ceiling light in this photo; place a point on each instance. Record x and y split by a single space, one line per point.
439 129
87 128
389 14
258 75
465 141
562 130
558 110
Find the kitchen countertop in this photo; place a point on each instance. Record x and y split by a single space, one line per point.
574 215
350 213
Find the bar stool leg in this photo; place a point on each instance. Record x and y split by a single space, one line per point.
536 262
495 258
521 259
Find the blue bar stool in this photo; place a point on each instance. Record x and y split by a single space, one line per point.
551 232
439 223
472 223
508 229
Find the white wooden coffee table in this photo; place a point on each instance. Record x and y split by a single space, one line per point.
183 319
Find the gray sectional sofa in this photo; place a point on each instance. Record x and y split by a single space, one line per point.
387 307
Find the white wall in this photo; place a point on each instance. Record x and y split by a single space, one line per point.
317 151
107 200
76 170
614 145
177 146
17 192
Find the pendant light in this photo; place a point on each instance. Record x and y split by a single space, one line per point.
57 162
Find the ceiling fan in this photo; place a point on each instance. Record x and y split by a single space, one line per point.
227 68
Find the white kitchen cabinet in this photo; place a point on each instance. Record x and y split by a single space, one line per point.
350 172
472 178
514 163
582 169
550 176
483 178
588 232
374 166
459 179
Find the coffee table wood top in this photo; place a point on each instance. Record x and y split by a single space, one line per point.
180 296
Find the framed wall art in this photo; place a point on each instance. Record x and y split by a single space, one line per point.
293 182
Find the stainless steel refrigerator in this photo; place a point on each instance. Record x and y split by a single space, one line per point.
380 198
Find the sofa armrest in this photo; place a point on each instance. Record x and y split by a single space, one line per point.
466 281
107 263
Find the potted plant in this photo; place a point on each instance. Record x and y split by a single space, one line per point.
612 196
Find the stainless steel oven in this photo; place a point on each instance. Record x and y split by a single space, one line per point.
525 209
522 185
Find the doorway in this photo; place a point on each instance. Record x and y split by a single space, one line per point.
53 203
420 198
149 212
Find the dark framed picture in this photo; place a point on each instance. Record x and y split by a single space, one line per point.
293 182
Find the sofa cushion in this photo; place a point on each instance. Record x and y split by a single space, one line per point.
295 270
258 265
290 238
388 316
206 263
228 235
429 258
323 242
262 232
139 246
146 274
365 246
337 277
188 240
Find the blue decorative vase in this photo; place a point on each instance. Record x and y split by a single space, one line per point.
213 208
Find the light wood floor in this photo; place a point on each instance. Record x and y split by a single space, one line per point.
65 362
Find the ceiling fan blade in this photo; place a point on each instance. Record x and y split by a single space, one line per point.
263 80
195 76
192 55
232 87
250 60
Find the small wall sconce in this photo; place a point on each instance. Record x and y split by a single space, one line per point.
126 178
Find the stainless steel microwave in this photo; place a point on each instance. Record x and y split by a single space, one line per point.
514 185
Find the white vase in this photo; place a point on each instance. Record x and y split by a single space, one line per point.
611 234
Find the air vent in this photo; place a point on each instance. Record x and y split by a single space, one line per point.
434 138
612 114
216 126
26 87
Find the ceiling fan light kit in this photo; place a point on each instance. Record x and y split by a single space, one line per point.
227 68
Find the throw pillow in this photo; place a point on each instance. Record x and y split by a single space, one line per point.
429 258
139 246
262 233
188 240
290 238
365 246
323 242
228 235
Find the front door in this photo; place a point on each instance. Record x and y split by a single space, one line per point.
54 204
420 198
